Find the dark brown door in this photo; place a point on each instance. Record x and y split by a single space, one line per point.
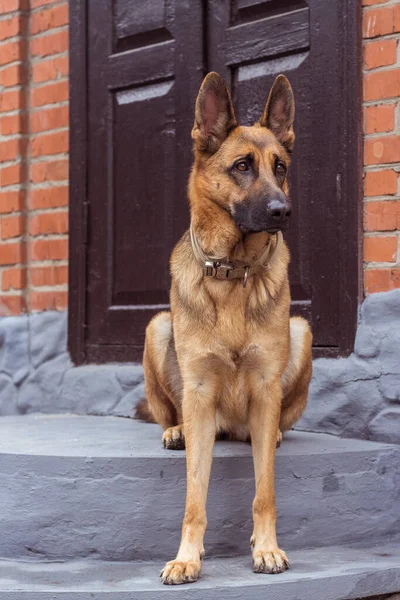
145 62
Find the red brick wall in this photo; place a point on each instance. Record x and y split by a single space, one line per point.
381 34
33 155
34 151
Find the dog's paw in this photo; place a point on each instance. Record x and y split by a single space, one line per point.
279 438
270 562
176 572
173 438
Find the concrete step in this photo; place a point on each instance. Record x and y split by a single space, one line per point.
103 487
325 574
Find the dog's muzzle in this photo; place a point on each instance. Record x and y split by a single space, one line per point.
263 215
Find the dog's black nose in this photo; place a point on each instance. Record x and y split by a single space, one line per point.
279 211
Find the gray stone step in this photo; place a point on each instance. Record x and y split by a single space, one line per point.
325 574
103 487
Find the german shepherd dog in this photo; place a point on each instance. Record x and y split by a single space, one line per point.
228 359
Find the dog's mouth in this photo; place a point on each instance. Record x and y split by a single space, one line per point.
247 230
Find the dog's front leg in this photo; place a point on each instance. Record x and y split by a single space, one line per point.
200 428
264 423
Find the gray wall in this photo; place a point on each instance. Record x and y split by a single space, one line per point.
358 396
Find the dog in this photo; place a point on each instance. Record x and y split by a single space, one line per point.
228 359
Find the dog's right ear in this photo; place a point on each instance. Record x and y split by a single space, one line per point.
214 115
278 113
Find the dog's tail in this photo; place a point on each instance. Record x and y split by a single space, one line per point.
143 411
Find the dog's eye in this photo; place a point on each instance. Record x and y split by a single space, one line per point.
242 166
280 168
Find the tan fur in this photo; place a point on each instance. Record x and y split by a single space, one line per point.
228 359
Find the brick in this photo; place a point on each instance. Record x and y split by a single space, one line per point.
380 53
12 100
381 85
52 143
49 118
12 51
8 6
380 249
50 94
48 300
46 70
381 280
10 27
12 253
49 198
381 21
47 45
12 175
49 249
12 305
382 150
12 227
11 202
376 280
56 170
36 3
396 17
13 279
371 2
382 216
9 150
12 124
379 118
49 223
13 75
55 16
380 183
53 275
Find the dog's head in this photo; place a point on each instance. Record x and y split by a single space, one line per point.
244 169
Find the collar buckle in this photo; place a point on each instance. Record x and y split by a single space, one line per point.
217 269
209 268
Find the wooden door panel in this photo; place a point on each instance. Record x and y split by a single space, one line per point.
140 206
132 68
137 24
268 35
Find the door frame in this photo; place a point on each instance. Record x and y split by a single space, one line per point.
349 180
78 179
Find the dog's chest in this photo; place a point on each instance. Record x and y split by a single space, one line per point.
232 330
238 376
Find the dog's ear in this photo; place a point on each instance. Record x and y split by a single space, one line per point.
278 113
214 115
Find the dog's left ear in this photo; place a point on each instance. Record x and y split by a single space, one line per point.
214 114
278 113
